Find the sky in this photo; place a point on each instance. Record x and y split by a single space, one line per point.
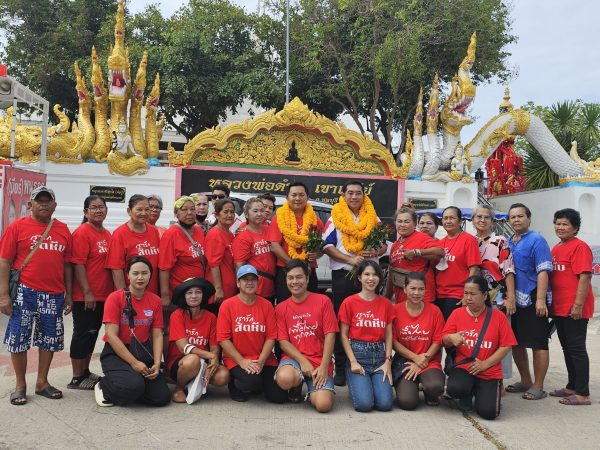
557 56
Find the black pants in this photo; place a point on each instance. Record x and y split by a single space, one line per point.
461 384
447 306
342 287
122 385
263 382
281 290
86 326
407 391
572 335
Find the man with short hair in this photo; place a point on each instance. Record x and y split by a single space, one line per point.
533 264
352 220
221 192
43 292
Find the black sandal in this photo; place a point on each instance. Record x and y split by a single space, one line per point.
18 398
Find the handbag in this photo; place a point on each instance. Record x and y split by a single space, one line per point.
15 274
398 277
449 367
141 351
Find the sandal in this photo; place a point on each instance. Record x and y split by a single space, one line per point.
18 398
516 388
82 382
92 376
534 394
562 392
50 392
574 401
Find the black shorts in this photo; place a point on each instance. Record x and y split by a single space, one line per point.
530 330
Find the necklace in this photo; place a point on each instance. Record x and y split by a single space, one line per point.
472 314
418 311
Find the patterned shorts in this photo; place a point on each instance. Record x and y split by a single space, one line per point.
41 308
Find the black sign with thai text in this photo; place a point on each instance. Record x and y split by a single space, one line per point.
113 194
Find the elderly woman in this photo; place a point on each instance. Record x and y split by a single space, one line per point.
572 305
156 207
413 251
133 322
135 237
193 347
477 370
246 331
417 341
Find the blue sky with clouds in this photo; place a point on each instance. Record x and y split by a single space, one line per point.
557 56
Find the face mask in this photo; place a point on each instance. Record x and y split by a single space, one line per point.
201 217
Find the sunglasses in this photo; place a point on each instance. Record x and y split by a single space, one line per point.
218 197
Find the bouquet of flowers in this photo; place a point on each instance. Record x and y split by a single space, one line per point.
378 237
315 240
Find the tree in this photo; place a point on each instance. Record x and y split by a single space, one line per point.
45 37
370 57
568 121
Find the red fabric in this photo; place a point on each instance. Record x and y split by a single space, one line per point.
306 324
462 252
45 271
219 254
148 314
126 243
254 248
201 332
247 327
90 248
179 256
366 319
498 334
417 240
274 235
418 333
570 260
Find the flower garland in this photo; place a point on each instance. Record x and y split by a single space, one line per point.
286 221
354 234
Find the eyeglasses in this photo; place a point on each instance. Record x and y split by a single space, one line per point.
96 208
155 208
478 217
218 197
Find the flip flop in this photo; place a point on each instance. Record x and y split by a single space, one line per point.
534 394
18 398
50 392
562 392
83 382
572 400
516 388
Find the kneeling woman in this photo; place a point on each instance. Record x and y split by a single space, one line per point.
417 341
246 331
193 346
133 323
479 349
366 334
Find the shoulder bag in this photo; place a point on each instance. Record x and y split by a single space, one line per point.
195 244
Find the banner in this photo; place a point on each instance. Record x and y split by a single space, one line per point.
385 192
17 185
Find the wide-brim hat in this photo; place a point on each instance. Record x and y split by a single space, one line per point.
208 290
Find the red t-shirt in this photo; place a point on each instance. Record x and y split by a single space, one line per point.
416 240
498 334
274 235
247 327
254 248
568 261
45 271
148 314
126 243
418 333
201 332
462 252
219 254
178 255
90 248
367 319
306 324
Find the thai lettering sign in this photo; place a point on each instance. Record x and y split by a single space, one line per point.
114 194
16 186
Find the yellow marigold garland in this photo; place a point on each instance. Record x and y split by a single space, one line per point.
354 234
286 221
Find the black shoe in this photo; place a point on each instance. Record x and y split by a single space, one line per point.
235 393
295 394
339 379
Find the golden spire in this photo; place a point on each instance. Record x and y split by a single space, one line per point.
432 108
506 105
120 24
469 59
418 120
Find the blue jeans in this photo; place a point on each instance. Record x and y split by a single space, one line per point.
369 391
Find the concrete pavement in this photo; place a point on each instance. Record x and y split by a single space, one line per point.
217 422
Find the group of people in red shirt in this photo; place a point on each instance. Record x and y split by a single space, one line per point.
205 305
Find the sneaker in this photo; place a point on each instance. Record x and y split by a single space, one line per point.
295 394
339 379
235 393
465 404
99 395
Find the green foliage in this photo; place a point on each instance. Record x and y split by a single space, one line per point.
568 121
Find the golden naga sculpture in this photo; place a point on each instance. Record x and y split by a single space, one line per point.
28 139
294 137
102 145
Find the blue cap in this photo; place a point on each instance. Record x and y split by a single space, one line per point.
247 270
